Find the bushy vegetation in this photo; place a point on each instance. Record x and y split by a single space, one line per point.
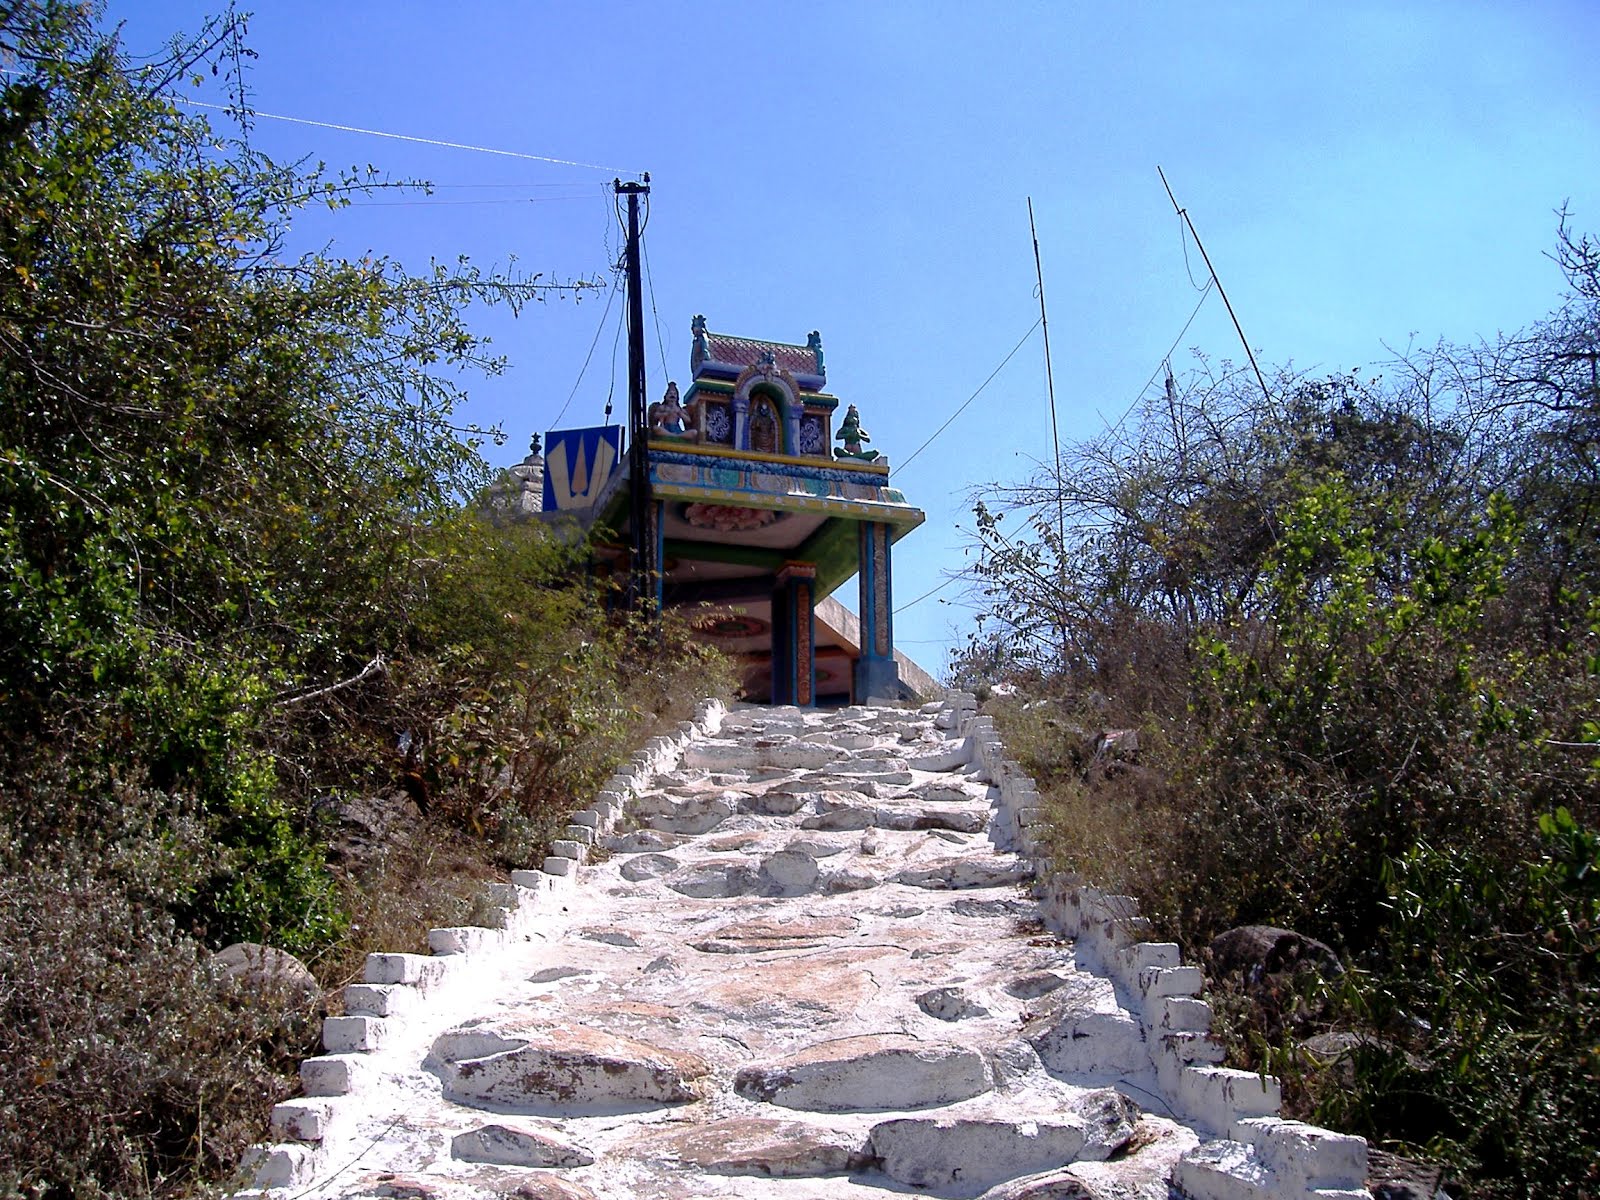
1354 621
241 584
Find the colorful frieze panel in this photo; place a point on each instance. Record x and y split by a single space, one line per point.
718 424
578 463
813 436
803 487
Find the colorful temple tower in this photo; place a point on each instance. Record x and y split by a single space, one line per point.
763 499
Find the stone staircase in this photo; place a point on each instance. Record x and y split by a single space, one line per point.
794 954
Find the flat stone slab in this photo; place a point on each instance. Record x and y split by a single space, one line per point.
563 1070
1079 1030
966 1155
872 1073
761 936
960 873
755 1146
518 1145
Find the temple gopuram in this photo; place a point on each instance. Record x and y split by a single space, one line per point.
764 497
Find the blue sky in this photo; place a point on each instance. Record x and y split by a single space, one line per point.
1360 173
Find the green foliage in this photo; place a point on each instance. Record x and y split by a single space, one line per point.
1486 987
236 584
127 1068
1353 621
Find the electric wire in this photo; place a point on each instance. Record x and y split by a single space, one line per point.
932 591
1166 360
615 342
433 203
406 137
661 348
1183 244
974 395
1221 291
611 296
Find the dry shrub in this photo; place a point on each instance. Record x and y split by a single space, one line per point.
127 1066
432 879
1115 824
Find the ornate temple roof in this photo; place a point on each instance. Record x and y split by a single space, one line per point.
725 354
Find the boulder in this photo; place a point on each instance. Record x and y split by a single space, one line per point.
690 815
961 873
870 1073
266 970
1081 1031
754 1146
964 1155
648 866
562 1070
950 1004
1255 951
513 1144
712 880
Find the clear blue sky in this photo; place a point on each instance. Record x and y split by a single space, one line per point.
1360 172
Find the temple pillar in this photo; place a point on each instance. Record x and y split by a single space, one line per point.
658 550
794 636
877 675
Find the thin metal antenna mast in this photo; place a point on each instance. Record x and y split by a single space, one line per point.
1194 233
1049 377
1055 434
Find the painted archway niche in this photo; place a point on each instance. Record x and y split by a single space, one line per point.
766 428
767 407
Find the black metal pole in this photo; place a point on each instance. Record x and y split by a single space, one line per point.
642 564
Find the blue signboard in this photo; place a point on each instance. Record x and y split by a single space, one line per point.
577 465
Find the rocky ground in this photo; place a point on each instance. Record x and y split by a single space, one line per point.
801 969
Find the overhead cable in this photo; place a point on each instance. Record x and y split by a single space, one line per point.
1166 361
932 591
406 137
611 295
974 395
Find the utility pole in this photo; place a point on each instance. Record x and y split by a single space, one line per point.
642 567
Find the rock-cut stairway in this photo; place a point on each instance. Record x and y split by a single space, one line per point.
800 963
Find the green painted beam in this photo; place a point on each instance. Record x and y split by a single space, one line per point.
744 556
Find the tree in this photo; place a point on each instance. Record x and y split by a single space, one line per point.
215 460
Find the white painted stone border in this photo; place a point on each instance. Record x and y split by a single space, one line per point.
401 986
1253 1152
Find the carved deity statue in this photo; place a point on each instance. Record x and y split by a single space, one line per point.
669 418
852 435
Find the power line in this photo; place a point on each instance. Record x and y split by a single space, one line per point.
431 203
611 296
1166 360
615 342
406 137
585 189
1221 291
661 348
974 395
932 591
1183 244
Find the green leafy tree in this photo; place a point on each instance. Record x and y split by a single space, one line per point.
215 458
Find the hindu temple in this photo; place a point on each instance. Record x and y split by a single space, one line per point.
765 495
